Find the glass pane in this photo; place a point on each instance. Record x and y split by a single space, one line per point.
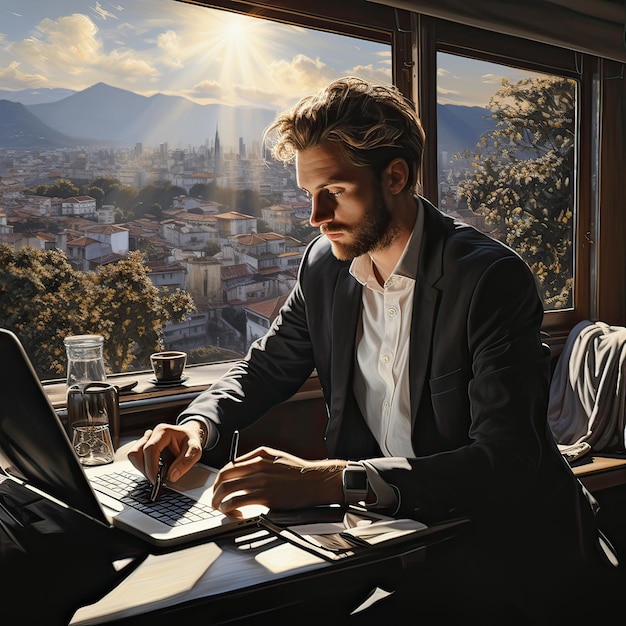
135 201
507 146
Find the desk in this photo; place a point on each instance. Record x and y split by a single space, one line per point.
226 583
601 472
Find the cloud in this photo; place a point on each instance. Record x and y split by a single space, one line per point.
206 89
12 78
301 75
70 50
491 79
169 43
103 13
369 72
128 65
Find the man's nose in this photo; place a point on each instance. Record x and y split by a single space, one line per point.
322 211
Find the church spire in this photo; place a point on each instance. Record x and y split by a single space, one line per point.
217 160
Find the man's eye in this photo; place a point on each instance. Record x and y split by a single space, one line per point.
334 194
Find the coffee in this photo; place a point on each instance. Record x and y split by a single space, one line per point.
168 366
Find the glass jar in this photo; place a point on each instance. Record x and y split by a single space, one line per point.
85 362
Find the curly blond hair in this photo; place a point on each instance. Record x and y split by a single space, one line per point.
371 124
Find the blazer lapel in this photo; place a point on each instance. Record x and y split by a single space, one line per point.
425 302
345 321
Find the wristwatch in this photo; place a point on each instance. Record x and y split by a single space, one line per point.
355 483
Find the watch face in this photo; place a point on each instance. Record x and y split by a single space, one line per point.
355 479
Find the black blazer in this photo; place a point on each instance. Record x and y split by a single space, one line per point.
479 380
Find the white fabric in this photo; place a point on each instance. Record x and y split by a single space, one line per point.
587 393
381 380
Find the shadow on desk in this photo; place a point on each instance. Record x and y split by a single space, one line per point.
256 578
55 560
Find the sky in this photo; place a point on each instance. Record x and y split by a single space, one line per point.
206 55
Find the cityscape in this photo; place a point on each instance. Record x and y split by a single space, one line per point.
237 257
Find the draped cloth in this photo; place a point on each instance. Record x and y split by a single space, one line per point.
587 393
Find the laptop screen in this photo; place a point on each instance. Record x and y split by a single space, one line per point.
34 447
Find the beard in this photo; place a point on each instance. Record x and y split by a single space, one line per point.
374 231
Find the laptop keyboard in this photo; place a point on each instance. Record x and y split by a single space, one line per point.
172 508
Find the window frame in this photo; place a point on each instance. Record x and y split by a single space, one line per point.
414 40
436 35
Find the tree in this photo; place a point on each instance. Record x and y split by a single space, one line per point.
521 178
161 193
62 188
42 299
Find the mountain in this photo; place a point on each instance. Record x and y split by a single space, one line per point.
460 127
113 116
35 96
110 114
19 128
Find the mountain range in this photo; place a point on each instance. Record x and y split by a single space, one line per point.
106 115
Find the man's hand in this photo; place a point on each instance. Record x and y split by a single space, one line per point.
183 441
277 480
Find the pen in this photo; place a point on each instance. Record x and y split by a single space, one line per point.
234 445
165 461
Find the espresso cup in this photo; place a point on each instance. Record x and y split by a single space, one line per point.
168 366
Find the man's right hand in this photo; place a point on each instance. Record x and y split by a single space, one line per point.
184 441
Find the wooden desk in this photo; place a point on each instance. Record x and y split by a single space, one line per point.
231 580
601 472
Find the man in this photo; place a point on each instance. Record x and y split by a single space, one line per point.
425 335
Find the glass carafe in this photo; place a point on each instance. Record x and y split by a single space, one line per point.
85 362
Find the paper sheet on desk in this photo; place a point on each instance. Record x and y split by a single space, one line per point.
153 584
371 531
309 544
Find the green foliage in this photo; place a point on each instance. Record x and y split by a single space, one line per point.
203 191
42 299
211 354
521 176
60 189
160 193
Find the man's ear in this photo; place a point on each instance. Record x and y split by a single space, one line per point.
396 175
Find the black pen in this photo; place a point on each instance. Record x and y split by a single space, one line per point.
165 460
234 445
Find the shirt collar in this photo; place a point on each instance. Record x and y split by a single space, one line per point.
361 266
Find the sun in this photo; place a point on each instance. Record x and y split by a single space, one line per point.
238 36
239 45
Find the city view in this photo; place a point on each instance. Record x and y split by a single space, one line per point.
138 162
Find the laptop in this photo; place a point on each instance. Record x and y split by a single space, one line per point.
36 452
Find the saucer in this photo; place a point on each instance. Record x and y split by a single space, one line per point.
168 383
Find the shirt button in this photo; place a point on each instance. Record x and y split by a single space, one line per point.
392 311
385 359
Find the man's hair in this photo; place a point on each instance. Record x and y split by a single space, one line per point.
370 124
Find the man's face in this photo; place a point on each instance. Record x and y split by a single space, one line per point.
347 202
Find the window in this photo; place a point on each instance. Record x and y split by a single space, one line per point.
135 153
490 162
507 142
133 138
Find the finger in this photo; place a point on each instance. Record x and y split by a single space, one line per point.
135 452
265 453
189 456
232 505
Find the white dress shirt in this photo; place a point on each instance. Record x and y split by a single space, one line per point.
381 381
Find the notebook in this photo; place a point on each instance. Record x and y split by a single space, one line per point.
35 451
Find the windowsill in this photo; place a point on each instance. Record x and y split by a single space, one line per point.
147 404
